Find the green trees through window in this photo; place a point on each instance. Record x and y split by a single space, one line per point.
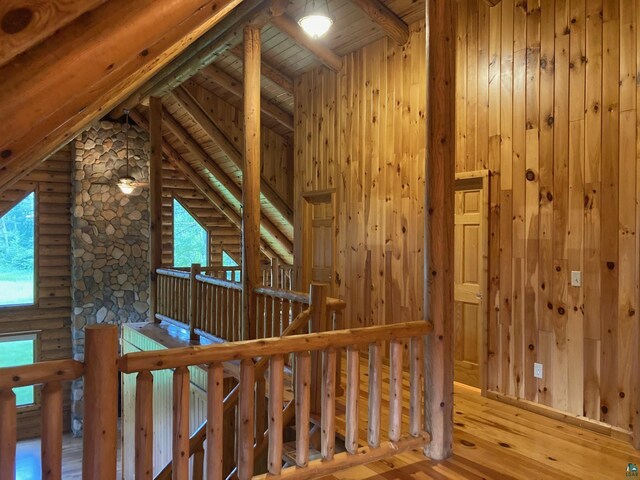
227 261
16 350
17 254
190 239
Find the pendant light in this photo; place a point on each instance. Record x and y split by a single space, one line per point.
126 184
316 20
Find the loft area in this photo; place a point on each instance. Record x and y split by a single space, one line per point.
235 246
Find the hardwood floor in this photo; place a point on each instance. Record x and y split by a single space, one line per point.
492 440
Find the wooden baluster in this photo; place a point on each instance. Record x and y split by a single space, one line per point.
51 420
395 391
99 444
223 306
277 318
8 434
375 393
328 404
215 424
286 312
353 392
260 299
303 405
415 389
337 325
197 470
268 317
318 299
144 425
245 419
210 317
181 396
276 399
261 413
193 300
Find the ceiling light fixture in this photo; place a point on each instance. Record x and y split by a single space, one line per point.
126 184
316 21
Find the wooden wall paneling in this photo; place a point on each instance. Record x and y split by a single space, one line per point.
471 74
461 85
636 365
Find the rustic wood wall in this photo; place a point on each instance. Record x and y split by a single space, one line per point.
223 235
51 315
547 99
362 133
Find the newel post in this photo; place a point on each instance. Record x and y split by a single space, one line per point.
100 402
318 304
193 299
439 226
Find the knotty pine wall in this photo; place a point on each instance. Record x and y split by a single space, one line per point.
547 99
362 132
50 316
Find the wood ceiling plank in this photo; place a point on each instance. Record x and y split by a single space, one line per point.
89 66
382 15
268 71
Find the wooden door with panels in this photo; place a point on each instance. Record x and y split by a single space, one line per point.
318 231
470 277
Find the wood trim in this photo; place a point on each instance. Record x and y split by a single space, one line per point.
290 28
386 19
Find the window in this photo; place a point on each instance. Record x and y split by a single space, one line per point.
17 254
18 350
190 239
227 261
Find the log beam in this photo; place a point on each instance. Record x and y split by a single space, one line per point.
214 131
230 84
202 186
438 275
385 18
88 67
251 180
290 28
26 24
268 71
155 197
221 176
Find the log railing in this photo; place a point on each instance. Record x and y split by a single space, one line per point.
272 352
275 275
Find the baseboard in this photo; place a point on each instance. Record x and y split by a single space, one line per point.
576 420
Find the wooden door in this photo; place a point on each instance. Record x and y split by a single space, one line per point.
318 238
470 281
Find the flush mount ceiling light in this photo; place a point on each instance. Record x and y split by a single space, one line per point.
316 20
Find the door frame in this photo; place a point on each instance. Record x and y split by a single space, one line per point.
307 201
481 178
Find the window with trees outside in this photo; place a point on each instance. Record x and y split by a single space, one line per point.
227 261
190 239
16 350
17 254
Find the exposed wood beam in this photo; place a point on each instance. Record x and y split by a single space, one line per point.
213 130
25 24
203 51
220 175
386 19
200 184
320 51
438 272
155 197
226 81
268 71
89 66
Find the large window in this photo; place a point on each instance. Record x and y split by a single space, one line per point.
16 350
227 261
190 239
17 254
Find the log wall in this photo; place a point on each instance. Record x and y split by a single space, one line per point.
547 99
362 133
51 315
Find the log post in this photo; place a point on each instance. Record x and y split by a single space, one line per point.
275 273
318 300
193 300
438 274
100 402
8 435
155 199
144 426
251 180
51 420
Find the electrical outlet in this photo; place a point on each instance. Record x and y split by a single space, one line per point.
576 279
537 370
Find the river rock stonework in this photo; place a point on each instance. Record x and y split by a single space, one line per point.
110 238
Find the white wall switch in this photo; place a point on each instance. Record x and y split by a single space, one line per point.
537 370
576 279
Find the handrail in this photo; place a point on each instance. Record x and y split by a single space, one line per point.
219 282
40 372
291 295
173 273
248 349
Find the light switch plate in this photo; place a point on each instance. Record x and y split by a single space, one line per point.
576 279
537 370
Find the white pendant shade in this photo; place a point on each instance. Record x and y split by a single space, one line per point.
126 185
315 25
